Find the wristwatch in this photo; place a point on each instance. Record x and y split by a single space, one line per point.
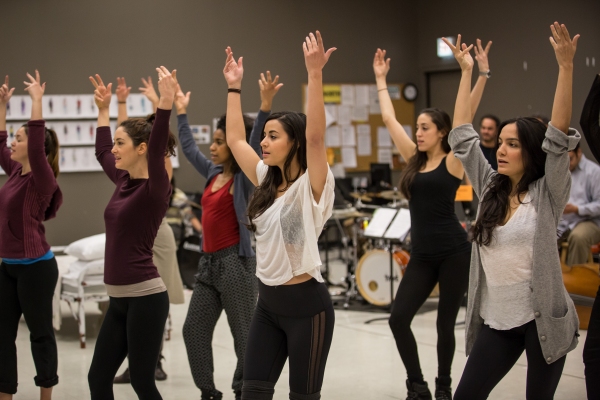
487 74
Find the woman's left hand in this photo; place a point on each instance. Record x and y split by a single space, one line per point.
122 91
233 71
5 92
167 84
315 56
564 46
481 55
34 87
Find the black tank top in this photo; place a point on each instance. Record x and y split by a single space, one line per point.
435 230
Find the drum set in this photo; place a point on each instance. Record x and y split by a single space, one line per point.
368 275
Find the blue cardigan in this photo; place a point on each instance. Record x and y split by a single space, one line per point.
242 187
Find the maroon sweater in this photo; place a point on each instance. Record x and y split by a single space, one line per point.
136 208
27 200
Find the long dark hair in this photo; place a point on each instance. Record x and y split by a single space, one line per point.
248 124
51 148
294 124
139 130
416 163
495 203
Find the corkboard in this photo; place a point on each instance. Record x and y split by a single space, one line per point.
405 114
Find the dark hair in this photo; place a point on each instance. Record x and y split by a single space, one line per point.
492 117
294 124
51 148
495 203
139 130
541 117
248 125
442 121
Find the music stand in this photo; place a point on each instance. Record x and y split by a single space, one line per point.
396 225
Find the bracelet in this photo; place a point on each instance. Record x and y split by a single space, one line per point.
379 90
122 102
233 90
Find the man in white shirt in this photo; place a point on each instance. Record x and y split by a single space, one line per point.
581 217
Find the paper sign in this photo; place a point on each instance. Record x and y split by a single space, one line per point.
360 113
348 95
333 136
348 135
464 193
383 137
349 157
362 95
331 94
384 156
344 115
364 139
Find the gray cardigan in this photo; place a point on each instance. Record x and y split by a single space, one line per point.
242 187
555 315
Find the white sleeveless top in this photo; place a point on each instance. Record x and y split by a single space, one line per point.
287 232
507 264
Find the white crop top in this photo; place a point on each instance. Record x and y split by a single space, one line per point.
287 232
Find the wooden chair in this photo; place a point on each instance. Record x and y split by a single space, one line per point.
582 282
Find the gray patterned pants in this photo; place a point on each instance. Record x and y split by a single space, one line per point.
225 281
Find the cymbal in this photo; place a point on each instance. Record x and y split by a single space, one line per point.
361 196
390 195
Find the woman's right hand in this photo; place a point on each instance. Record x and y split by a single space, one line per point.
381 66
5 92
233 71
564 46
122 90
461 53
148 90
102 93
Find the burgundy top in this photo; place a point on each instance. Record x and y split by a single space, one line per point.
219 221
136 208
27 200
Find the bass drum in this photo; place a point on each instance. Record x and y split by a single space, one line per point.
373 275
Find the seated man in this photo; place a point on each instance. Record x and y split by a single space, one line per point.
488 133
580 223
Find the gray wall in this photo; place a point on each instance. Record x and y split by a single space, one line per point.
70 40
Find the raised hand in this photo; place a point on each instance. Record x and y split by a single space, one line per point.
35 87
148 90
102 93
481 55
461 53
122 90
167 87
564 46
268 89
233 71
5 92
315 56
182 100
381 65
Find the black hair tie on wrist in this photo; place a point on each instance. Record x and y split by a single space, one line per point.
233 90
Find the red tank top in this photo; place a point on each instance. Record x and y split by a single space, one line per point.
219 222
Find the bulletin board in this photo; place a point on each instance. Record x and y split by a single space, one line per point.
356 135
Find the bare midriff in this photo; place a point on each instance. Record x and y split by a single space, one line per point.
299 279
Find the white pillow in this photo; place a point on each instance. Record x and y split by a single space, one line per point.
95 267
89 248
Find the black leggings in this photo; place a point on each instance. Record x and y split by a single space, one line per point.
591 352
294 321
494 354
133 327
416 285
27 290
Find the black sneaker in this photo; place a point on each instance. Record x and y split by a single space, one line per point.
417 391
123 378
159 373
211 395
442 392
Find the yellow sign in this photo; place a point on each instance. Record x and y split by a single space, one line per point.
332 94
464 193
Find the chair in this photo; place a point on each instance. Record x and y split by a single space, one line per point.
84 282
582 282
564 249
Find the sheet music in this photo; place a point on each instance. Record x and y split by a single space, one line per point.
382 217
400 226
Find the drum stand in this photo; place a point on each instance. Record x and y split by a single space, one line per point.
392 279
